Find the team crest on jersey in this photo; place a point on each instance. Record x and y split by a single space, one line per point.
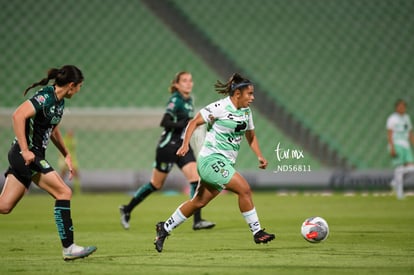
211 119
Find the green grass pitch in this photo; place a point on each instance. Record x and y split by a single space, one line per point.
368 234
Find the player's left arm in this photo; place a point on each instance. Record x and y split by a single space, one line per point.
57 140
254 145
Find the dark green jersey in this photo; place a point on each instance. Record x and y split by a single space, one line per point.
49 111
179 109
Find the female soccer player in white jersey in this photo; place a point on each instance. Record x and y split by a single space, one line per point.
228 120
35 122
399 134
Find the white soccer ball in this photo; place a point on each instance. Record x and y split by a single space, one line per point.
315 229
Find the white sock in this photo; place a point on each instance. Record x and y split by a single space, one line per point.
175 220
399 174
409 169
399 181
252 220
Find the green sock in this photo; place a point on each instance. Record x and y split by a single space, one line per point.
140 195
64 222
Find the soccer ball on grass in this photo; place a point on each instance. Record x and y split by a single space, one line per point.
315 229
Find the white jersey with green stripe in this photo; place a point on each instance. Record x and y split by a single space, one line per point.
226 128
400 125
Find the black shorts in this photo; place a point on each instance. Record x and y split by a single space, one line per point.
166 156
23 172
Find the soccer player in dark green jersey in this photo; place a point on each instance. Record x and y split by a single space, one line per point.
35 122
179 111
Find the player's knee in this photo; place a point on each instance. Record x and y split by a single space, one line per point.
64 194
246 192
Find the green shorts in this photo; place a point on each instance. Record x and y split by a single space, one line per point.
404 156
215 170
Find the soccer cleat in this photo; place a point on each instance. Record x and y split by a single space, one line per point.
202 224
125 217
74 252
161 235
263 237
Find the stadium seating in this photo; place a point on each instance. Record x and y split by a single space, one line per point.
337 66
128 58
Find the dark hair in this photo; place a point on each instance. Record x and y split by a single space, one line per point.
398 101
235 82
176 79
62 76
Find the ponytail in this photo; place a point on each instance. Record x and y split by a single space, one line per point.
235 82
62 76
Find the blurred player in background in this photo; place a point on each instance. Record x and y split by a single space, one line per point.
70 142
228 120
179 111
399 134
36 121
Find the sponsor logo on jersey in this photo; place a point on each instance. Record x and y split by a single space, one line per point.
188 106
54 113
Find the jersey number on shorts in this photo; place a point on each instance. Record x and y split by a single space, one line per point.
216 166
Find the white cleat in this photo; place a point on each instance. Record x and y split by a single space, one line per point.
74 252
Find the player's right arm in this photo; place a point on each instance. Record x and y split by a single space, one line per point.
391 143
390 127
20 115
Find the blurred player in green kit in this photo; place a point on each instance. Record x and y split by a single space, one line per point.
399 134
179 111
